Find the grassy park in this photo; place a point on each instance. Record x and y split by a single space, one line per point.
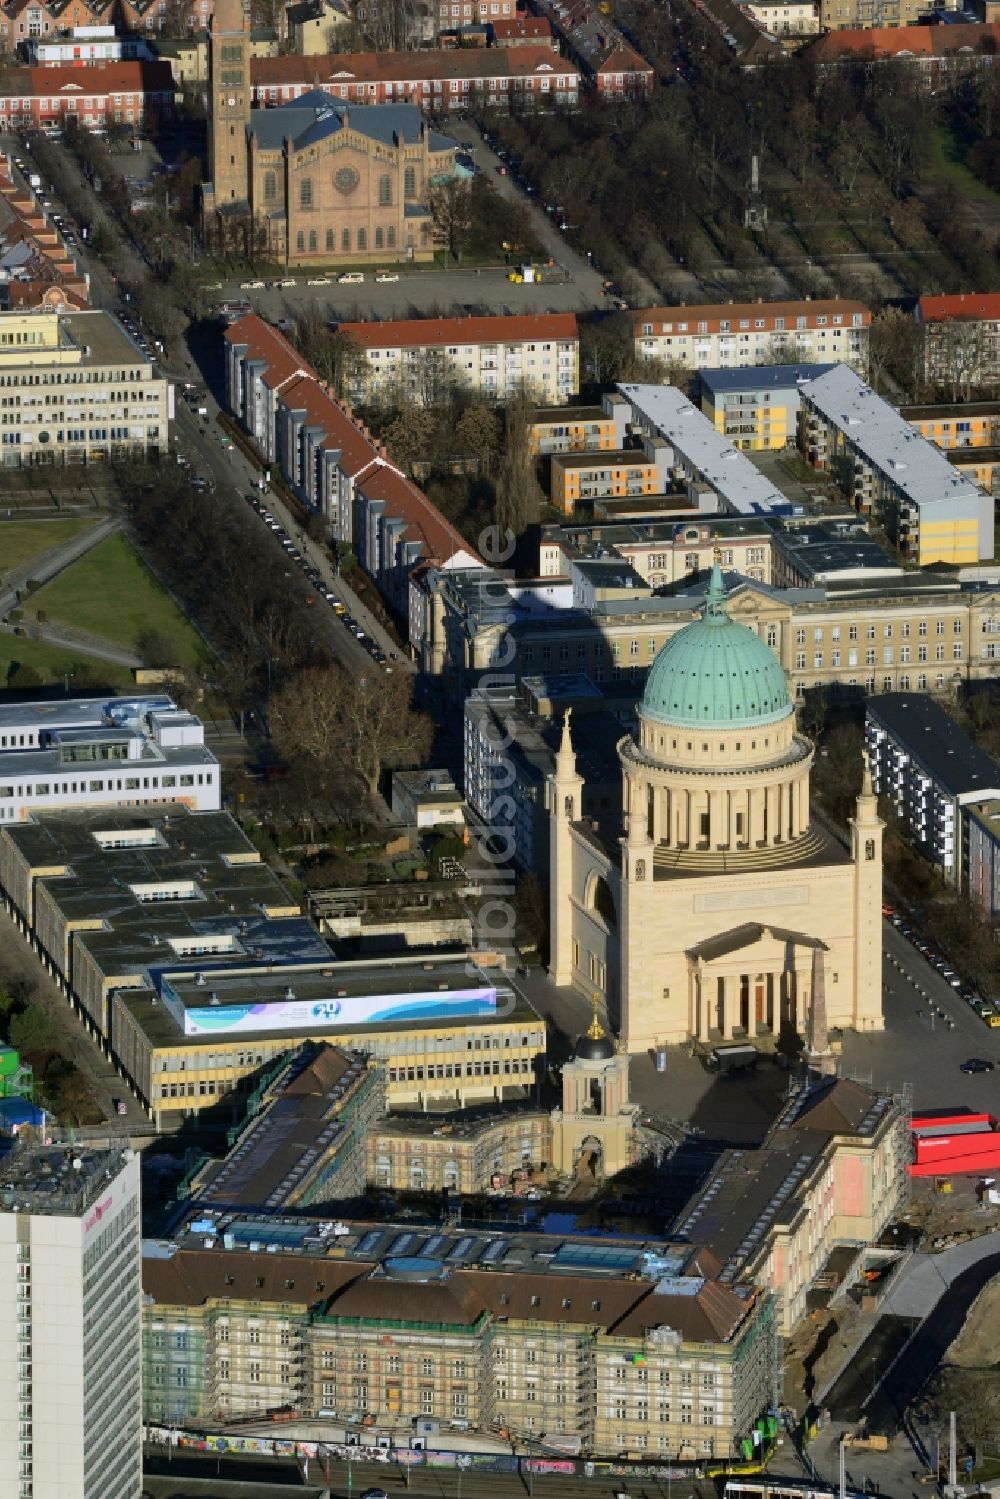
111 593
21 540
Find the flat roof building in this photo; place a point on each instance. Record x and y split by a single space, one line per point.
756 408
103 752
700 453
71 1313
928 510
931 771
102 400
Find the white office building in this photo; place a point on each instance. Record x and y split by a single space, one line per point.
71 1324
100 752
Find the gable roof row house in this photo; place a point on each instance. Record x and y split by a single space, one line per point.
333 463
614 67
429 77
36 266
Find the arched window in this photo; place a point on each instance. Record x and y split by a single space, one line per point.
600 900
300 241
306 193
270 187
410 182
312 239
379 237
362 239
329 239
385 189
345 240
390 236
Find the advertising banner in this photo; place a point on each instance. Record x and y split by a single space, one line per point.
329 1014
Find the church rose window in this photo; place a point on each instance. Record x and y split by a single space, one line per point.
345 180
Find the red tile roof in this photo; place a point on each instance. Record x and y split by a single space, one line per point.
625 60
521 26
359 456
424 522
906 41
416 333
404 67
264 342
964 307
102 78
714 313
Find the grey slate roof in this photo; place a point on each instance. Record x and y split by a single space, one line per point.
317 114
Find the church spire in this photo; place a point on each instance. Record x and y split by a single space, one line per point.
715 598
565 758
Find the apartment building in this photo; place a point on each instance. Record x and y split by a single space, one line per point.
580 478
632 1348
578 429
735 334
437 80
490 356
928 510
82 46
509 750
969 424
92 752
841 15
961 340
981 856
71 1313
757 408
937 55
75 389
786 18
522 30
715 473
933 773
613 68
127 93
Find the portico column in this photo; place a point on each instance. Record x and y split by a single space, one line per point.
714 819
772 814
703 990
756 817
732 992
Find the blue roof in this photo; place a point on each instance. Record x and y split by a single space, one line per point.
316 115
17 1111
762 376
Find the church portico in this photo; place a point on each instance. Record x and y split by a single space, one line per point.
751 982
720 894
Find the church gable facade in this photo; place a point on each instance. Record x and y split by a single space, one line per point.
315 181
722 905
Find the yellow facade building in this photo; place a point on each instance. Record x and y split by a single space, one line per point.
756 409
580 478
76 390
722 904
578 429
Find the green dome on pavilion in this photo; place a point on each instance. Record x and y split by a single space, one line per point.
716 673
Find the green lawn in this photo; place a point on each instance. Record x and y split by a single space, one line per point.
21 540
110 592
53 662
946 162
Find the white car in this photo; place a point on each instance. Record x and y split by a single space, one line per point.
317 281
351 278
251 286
383 276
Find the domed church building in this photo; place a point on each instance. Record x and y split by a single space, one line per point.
722 910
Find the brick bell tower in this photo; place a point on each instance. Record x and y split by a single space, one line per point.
228 108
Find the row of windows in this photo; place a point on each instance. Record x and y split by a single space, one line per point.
454 1069
130 783
870 656
905 630
384 239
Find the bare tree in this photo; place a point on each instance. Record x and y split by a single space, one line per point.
450 203
518 492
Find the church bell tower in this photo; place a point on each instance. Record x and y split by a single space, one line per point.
228 106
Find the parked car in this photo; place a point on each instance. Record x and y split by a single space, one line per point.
351 278
383 276
976 1064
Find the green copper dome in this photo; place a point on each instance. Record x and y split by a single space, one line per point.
716 673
